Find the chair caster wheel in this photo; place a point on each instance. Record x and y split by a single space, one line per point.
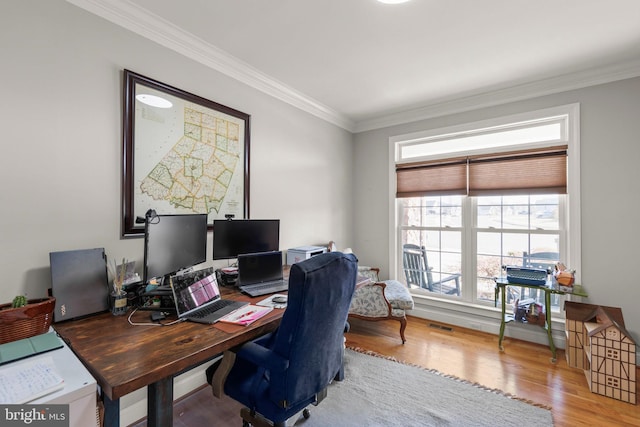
306 414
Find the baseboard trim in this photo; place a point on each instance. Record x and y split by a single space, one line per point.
481 319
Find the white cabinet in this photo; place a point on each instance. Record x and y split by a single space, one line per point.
79 390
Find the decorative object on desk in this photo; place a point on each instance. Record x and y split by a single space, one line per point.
118 303
564 277
178 132
27 321
19 301
118 297
452 401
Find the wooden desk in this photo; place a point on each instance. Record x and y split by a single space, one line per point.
548 289
123 358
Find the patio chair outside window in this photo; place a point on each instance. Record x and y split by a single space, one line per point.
418 273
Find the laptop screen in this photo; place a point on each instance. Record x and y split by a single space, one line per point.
190 295
259 267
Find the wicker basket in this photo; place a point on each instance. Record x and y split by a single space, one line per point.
25 322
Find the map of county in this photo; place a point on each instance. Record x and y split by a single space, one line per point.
196 173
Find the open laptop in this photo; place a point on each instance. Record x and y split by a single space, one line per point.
198 298
261 273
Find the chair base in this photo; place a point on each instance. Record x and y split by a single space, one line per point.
253 419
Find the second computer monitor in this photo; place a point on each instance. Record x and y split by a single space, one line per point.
244 236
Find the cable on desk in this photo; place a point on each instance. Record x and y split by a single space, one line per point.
150 323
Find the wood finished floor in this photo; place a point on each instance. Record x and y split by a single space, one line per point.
523 369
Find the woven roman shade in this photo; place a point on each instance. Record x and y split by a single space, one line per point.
423 179
540 171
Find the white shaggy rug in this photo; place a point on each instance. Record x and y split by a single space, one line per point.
377 391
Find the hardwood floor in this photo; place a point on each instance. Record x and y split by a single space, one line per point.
523 369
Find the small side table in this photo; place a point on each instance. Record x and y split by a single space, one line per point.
548 288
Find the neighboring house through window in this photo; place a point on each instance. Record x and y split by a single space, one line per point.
474 198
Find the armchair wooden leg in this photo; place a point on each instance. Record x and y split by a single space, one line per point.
403 326
220 376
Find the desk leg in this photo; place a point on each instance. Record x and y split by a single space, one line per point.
111 412
547 314
502 289
160 403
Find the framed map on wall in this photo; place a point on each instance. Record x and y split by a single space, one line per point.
181 154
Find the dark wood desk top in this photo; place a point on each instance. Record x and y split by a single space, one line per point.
123 357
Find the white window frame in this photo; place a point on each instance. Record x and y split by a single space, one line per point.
572 250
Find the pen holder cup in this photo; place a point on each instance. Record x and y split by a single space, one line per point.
118 303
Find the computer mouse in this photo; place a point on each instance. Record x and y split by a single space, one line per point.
279 299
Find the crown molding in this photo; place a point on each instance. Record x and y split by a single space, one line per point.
142 22
563 83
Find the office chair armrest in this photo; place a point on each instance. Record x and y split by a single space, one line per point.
251 352
261 356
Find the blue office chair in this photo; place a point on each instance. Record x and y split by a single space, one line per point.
278 375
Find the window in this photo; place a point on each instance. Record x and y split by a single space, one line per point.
478 197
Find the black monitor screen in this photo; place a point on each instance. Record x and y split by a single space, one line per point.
244 236
174 242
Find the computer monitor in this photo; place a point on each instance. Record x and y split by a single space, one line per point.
244 236
173 243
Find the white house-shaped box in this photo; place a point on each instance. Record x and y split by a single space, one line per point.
611 357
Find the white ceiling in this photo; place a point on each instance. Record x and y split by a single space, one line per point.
361 64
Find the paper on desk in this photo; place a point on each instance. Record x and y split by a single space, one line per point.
246 315
22 382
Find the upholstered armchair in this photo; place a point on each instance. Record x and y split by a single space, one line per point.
376 300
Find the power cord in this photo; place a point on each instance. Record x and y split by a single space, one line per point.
150 323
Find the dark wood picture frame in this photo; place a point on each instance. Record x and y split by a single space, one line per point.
195 155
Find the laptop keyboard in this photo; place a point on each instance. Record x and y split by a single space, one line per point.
265 288
213 307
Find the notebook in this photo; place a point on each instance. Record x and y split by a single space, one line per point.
198 298
261 273
27 347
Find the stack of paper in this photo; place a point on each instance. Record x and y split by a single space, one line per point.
246 315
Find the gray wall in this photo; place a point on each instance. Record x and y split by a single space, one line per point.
60 167
610 153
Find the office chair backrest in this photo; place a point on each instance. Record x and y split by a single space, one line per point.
311 333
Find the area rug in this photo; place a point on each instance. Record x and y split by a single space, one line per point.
381 392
